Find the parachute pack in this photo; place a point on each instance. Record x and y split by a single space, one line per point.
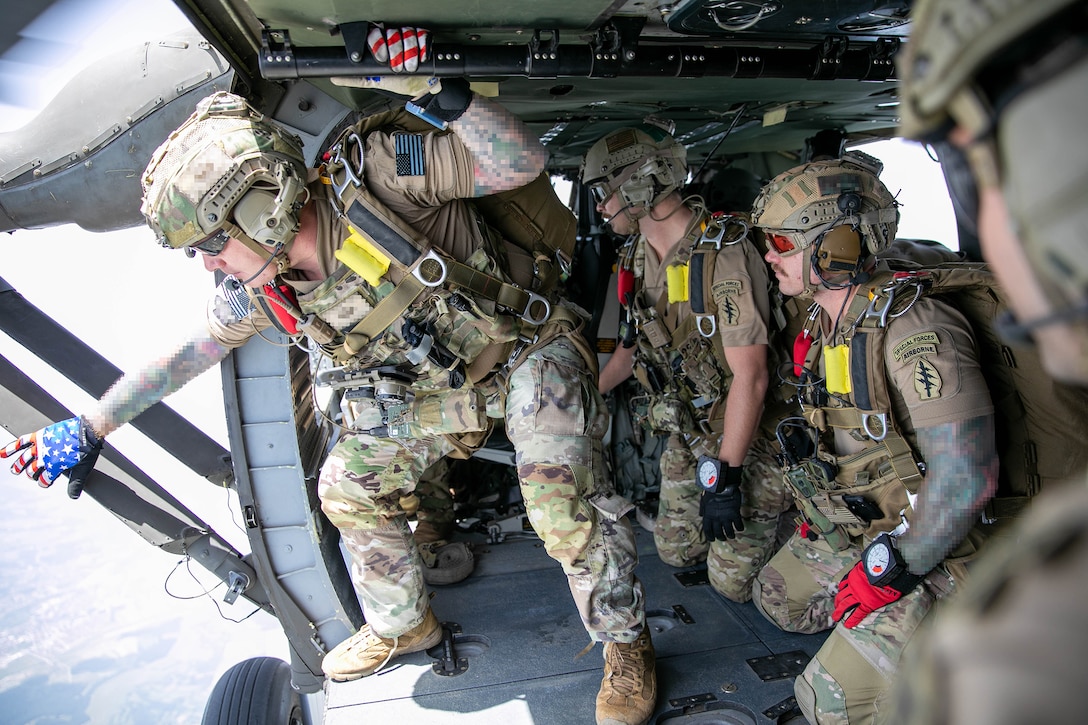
532 216
1039 422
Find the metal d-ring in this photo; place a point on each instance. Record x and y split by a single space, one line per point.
882 417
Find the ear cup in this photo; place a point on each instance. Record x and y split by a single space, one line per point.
838 250
255 215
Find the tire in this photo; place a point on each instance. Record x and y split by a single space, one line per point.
256 691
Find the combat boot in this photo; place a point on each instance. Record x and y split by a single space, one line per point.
629 689
365 652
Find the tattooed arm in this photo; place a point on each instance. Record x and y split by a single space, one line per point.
962 476
135 392
505 153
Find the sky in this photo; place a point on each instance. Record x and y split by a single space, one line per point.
87 627
96 625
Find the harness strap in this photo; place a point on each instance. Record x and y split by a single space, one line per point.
420 267
382 316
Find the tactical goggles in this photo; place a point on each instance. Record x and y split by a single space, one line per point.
608 185
601 190
787 242
212 244
783 244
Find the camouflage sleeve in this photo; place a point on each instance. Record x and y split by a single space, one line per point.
961 476
505 153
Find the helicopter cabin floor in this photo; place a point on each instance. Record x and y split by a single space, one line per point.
516 637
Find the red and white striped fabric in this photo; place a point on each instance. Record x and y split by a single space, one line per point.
402 48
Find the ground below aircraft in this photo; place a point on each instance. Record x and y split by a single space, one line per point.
753 85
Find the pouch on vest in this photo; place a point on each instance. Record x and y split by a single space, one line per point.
461 410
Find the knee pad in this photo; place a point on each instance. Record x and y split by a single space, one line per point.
806 698
757 600
776 611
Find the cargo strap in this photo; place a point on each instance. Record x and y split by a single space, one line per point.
899 453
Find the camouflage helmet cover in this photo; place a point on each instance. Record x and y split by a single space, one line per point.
655 164
199 174
806 199
950 41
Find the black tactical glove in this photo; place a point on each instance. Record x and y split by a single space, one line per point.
721 514
720 504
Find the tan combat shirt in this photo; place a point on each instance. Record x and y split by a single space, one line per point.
432 202
740 290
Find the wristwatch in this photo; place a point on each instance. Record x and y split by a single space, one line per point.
884 566
709 474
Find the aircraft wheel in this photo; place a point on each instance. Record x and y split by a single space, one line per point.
256 691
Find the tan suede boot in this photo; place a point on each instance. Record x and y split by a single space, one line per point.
365 652
629 689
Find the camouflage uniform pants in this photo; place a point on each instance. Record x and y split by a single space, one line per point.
853 669
555 419
435 499
732 565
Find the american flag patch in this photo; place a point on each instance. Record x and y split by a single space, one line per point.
409 149
237 297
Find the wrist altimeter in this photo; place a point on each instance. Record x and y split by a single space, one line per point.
715 476
885 567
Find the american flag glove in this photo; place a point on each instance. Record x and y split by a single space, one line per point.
45 454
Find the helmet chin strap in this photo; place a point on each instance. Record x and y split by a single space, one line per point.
278 254
809 289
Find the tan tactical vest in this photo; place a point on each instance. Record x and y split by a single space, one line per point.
681 365
400 310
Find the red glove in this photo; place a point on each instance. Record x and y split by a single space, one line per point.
880 578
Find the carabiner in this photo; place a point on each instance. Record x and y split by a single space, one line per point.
884 310
349 150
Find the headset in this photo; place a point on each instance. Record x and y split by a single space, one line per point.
838 249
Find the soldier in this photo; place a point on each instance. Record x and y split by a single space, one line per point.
384 266
884 398
1002 90
697 299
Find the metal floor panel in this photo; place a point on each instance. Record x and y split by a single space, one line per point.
521 635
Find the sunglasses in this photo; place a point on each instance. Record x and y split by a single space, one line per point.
213 243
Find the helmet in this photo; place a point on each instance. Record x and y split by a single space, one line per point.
643 165
228 170
950 42
1014 77
839 208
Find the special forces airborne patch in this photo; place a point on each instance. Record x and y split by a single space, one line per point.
917 347
725 294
